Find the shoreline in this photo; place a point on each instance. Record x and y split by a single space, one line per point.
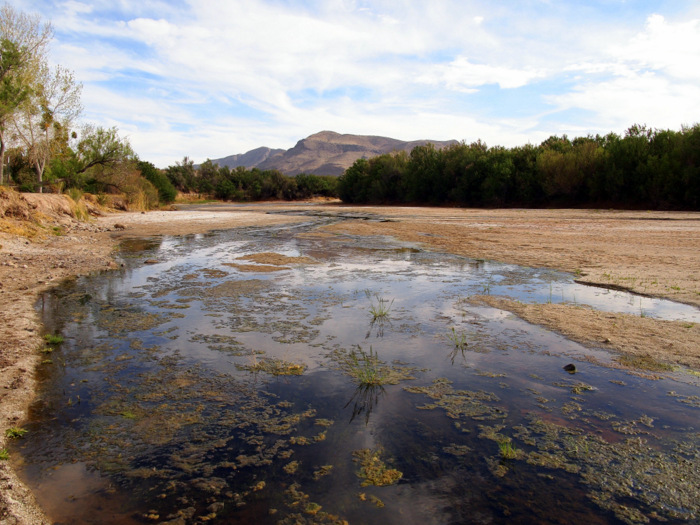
655 253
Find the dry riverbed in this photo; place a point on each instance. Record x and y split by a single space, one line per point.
654 253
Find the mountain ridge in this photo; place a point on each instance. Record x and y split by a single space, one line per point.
323 153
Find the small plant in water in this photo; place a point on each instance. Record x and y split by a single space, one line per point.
4 454
507 450
366 367
15 432
458 339
52 339
380 309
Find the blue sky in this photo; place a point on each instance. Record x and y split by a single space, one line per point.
210 78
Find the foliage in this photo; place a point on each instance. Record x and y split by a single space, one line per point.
23 47
15 432
166 191
241 184
366 368
458 339
507 450
645 168
53 339
380 309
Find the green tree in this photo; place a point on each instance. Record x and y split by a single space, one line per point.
13 91
23 45
166 191
45 117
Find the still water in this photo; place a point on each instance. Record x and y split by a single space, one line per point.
345 379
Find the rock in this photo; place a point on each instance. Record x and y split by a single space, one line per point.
151 261
119 226
571 368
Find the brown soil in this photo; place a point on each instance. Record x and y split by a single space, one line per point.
648 252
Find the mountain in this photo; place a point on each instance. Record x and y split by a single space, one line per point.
251 159
324 153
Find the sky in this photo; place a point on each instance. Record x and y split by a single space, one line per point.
212 78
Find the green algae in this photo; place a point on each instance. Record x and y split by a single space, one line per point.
275 367
477 405
322 471
374 471
365 368
663 483
305 511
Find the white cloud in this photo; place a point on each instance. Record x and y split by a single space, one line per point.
212 78
672 48
463 75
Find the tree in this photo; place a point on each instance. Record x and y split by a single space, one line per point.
44 118
23 46
166 191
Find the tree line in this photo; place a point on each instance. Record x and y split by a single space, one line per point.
645 168
242 184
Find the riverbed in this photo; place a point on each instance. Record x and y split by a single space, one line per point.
223 377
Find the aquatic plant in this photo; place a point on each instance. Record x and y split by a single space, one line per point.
322 471
52 339
366 368
381 308
373 471
275 367
4 454
507 450
15 432
643 362
458 339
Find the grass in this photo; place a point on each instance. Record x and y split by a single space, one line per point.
366 368
507 450
458 339
52 339
380 309
4 454
15 432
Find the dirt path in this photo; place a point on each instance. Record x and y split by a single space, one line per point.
647 252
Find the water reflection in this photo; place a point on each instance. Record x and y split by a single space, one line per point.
364 400
207 393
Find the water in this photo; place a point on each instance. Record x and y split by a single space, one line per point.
169 401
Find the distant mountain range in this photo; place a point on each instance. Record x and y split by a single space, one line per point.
324 153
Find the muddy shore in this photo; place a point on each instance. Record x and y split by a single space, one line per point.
652 253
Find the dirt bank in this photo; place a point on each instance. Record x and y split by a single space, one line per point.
658 254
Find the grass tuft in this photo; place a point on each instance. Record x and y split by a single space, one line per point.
458 339
507 450
366 368
381 308
52 339
15 432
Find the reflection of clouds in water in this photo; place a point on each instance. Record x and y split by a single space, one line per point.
303 314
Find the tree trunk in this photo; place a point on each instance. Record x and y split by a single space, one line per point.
39 169
2 158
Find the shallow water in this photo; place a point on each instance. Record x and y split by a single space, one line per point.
163 403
